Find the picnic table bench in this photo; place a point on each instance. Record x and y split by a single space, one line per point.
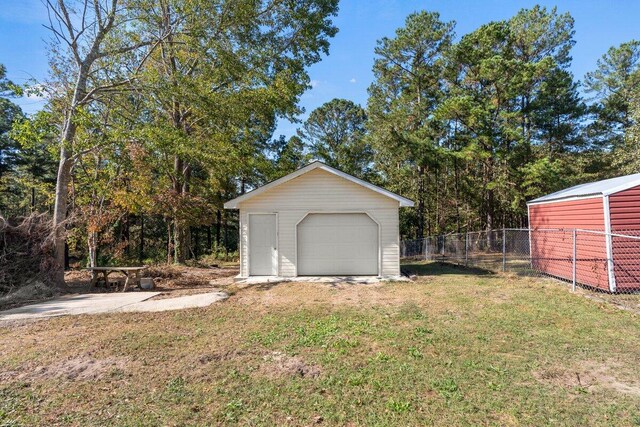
132 274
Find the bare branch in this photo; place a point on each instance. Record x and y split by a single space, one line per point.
64 16
102 88
123 50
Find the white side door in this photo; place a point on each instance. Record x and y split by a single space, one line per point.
263 248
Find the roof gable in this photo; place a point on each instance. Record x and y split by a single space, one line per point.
598 188
233 204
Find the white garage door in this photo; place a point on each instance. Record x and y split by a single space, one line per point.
337 244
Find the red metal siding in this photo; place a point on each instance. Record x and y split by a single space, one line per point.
552 251
624 208
587 214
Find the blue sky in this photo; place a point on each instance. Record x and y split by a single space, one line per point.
346 72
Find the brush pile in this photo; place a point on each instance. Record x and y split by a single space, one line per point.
26 259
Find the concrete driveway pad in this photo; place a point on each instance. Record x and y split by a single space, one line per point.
76 304
107 303
189 301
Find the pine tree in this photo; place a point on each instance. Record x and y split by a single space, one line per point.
335 133
403 98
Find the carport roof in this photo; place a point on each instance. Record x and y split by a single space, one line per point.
598 188
233 204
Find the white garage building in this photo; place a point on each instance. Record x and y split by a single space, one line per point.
319 221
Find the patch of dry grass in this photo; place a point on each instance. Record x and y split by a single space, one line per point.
453 347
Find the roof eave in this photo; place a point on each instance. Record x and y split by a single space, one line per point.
620 188
563 199
633 181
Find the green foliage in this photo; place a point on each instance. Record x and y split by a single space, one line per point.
212 93
9 113
27 166
471 130
543 176
629 159
615 85
334 133
403 127
175 117
179 110
288 155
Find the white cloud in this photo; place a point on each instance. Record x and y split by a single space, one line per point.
314 83
35 92
353 80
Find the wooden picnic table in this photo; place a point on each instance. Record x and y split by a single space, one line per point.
131 274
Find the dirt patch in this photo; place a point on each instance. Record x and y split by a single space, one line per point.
171 280
278 364
176 281
589 376
77 369
287 294
218 357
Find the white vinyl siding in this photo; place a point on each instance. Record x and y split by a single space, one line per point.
320 191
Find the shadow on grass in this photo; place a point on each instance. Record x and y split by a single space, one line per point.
267 286
441 268
337 283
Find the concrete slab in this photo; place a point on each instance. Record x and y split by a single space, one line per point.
76 304
256 280
189 301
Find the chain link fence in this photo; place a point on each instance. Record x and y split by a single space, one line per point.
593 260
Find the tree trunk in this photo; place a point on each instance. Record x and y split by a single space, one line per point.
456 183
436 175
178 229
196 242
421 201
92 244
66 256
209 238
218 228
181 232
226 237
178 241
64 171
125 234
169 243
490 225
141 248
60 211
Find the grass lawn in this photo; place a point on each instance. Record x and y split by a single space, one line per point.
451 348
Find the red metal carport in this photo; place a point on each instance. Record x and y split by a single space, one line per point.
606 208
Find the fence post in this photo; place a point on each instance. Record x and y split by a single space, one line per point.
504 250
573 285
